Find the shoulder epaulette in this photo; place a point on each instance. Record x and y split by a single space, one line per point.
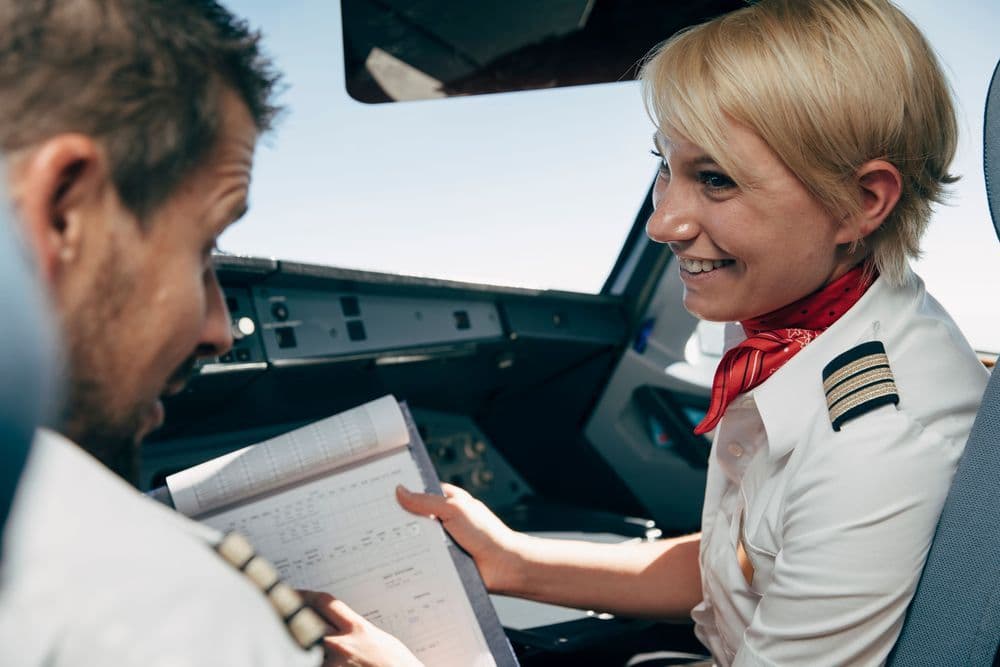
858 381
304 624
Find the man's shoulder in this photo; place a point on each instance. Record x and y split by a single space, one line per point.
105 567
68 502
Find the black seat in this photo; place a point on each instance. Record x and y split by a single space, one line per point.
954 618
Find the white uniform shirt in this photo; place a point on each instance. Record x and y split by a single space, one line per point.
837 525
93 573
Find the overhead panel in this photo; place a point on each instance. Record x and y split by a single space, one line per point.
301 324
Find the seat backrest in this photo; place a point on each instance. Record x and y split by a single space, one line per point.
954 618
25 358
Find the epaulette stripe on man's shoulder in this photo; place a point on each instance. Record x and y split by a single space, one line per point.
304 624
858 381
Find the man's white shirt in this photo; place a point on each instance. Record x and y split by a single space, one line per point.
94 573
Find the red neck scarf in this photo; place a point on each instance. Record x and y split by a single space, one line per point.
776 337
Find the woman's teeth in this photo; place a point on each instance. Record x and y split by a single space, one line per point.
703 265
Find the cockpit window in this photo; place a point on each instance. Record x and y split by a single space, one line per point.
536 184
535 189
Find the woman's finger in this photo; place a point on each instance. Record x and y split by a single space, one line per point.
425 504
334 611
452 491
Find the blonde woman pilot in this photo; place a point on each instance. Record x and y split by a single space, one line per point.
803 144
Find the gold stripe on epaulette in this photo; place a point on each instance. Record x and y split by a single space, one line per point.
864 363
261 573
304 624
235 550
863 396
856 382
285 600
307 627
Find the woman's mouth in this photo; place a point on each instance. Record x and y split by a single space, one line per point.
702 265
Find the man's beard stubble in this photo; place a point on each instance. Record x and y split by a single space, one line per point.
88 416
95 416
112 440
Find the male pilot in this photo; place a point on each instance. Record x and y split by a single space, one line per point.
128 128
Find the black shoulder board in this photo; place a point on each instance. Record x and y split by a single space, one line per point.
858 381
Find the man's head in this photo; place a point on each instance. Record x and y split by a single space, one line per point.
129 127
829 85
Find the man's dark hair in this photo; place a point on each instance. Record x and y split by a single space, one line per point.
144 77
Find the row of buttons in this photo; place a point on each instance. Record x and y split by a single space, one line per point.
348 305
240 354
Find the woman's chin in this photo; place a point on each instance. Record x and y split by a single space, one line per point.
710 312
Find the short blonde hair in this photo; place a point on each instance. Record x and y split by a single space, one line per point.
828 85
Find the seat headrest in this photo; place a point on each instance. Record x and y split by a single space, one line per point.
26 357
991 148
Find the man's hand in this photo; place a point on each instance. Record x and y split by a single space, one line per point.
481 533
355 641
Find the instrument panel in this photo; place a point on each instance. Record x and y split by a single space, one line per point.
460 451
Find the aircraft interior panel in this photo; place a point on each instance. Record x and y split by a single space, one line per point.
501 398
501 378
462 455
302 323
643 422
248 347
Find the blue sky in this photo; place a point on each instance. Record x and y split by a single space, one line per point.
536 189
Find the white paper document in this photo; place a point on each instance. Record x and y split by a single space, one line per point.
320 504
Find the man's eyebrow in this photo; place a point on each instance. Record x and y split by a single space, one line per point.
239 211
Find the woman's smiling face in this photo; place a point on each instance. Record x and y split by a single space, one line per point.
742 251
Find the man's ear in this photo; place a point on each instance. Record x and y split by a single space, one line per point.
879 185
53 186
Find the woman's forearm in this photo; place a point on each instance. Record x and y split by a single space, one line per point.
659 579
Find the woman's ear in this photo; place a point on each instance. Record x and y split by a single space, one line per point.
879 185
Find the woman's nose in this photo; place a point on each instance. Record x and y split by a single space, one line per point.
673 219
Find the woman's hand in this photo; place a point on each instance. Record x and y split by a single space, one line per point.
356 642
487 539
658 579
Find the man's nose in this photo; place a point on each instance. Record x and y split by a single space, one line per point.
217 335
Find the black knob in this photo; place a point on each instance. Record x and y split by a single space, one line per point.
279 310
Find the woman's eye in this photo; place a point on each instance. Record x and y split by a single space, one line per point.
714 180
664 169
